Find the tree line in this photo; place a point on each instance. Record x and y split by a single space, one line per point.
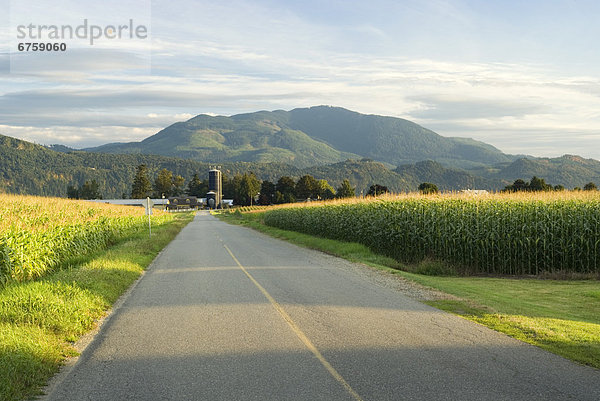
245 189
88 190
539 184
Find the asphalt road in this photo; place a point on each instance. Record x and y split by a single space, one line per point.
225 313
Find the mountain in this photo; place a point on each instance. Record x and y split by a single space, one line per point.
362 174
326 142
257 137
309 136
392 140
27 168
568 170
447 178
60 148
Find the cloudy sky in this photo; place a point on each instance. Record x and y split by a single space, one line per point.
523 76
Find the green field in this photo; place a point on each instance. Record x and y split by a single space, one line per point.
511 235
39 235
41 317
561 316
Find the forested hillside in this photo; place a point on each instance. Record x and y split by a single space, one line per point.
308 137
27 168
568 170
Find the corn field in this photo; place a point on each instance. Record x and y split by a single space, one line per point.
515 235
37 235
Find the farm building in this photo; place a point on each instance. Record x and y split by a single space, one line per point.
184 202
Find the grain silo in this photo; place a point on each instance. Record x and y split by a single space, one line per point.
215 187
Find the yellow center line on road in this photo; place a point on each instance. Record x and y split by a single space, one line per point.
298 331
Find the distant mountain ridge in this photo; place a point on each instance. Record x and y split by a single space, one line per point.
447 178
255 137
392 140
27 168
567 170
306 137
326 142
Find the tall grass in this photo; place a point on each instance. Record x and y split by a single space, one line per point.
38 235
524 234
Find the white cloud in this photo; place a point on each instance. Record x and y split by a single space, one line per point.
228 58
187 116
78 137
454 98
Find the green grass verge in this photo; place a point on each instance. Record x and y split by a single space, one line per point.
561 316
39 320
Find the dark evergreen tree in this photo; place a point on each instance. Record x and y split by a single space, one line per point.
228 187
539 184
284 190
324 190
427 188
72 192
345 190
518 185
536 184
141 187
197 187
377 189
177 185
236 184
267 193
163 184
306 187
89 190
167 184
248 188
